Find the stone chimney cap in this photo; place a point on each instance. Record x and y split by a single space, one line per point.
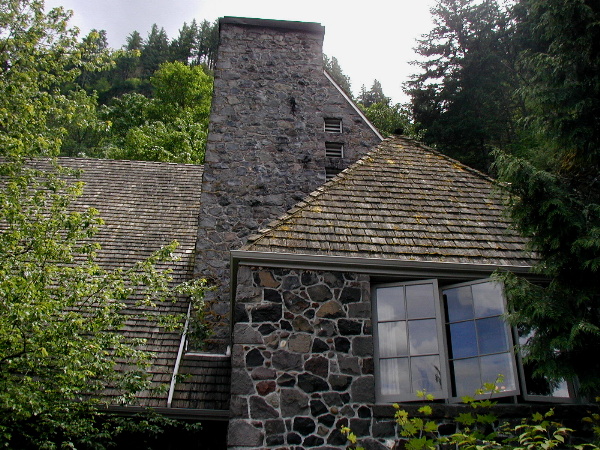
310 27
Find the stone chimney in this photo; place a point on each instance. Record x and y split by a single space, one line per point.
278 126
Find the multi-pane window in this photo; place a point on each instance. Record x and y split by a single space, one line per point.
447 341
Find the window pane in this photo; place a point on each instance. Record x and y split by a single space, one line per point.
390 303
426 373
466 376
488 300
463 340
422 337
394 376
541 386
459 303
494 365
420 301
492 335
392 339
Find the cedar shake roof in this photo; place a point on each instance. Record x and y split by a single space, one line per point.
146 205
401 201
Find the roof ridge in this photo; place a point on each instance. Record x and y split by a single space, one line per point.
87 158
310 198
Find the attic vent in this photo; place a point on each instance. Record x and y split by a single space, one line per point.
333 125
331 173
334 149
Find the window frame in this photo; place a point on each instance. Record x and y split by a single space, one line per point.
443 341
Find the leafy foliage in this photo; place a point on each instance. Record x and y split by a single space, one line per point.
332 66
60 311
478 428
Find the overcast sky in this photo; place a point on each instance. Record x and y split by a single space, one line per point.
371 39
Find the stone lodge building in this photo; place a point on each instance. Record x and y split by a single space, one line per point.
351 271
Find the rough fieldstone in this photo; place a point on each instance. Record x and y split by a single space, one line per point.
325 328
245 334
266 313
328 420
271 295
254 358
300 343
317 365
332 398
362 346
293 403
241 433
319 293
333 279
286 380
285 360
349 364
339 382
274 426
260 409
294 439
312 383
290 283
265 387
274 441
312 441
363 390
302 324
330 310
266 328
364 412
317 407
367 366
319 346
342 344
336 438
304 425
350 295
238 406
240 382
240 314
386 429
294 303
263 373
360 427
360 310
309 278
266 279
372 444
349 327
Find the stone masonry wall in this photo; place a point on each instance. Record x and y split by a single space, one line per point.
302 361
266 142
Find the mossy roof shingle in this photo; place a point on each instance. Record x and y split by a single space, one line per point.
401 201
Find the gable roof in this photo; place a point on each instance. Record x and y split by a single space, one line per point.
402 201
146 205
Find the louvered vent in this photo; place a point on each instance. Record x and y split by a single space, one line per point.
331 173
333 125
334 149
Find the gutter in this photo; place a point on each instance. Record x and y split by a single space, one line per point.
369 266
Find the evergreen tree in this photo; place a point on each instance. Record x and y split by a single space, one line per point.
207 41
332 66
183 46
373 95
155 51
555 188
462 99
